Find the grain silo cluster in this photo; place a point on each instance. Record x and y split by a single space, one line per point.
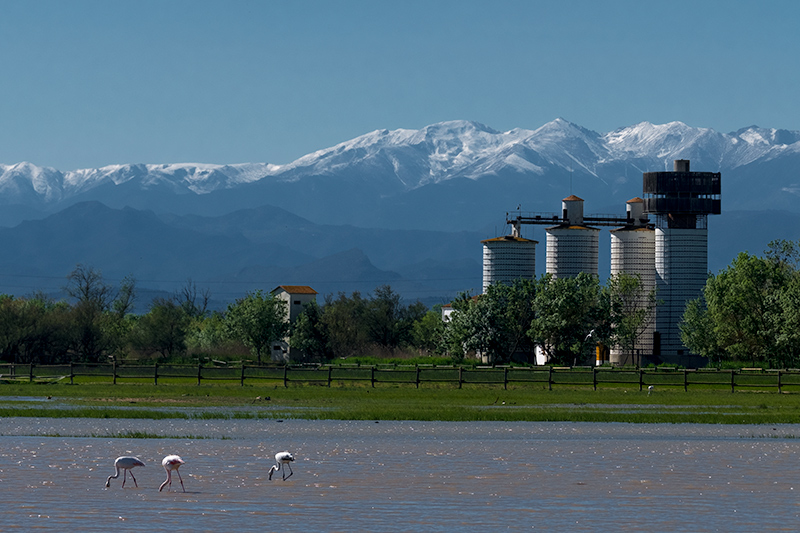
663 238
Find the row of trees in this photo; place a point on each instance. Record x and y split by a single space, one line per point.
98 323
565 317
750 311
505 323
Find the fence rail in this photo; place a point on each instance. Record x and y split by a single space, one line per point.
543 376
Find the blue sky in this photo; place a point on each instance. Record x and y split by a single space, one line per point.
92 83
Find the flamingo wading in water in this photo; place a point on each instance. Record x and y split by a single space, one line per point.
170 463
282 458
124 463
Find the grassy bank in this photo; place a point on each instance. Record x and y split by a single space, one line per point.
396 403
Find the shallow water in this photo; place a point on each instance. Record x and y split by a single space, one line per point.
403 476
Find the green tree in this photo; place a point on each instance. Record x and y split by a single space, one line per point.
343 320
388 321
34 330
698 333
428 332
493 325
632 309
98 314
207 333
93 299
742 308
257 320
163 329
785 323
309 335
567 310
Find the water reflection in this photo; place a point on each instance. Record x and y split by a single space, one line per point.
403 476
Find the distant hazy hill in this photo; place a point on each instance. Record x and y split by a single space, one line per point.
232 254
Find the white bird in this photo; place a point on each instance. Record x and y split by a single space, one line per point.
124 463
282 458
170 463
649 390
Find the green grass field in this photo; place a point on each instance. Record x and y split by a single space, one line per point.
403 402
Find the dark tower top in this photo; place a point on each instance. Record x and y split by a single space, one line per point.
682 198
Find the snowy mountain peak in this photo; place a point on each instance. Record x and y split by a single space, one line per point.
395 161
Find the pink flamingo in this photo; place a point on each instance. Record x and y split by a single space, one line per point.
124 463
282 458
170 463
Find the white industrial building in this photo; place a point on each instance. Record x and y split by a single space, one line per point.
669 253
633 252
572 247
508 258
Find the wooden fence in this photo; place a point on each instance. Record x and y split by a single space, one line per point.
541 376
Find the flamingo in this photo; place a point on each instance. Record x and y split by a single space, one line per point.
282 458
124 463
170 463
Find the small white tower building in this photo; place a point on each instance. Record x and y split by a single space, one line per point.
296 297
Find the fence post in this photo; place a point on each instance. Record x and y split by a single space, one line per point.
505 378
417 380
30 373
114 372
241 380
685 380
72 374
330 371
641 379
199 372
285 376
550 377
155 374
733 380
372 376
779 381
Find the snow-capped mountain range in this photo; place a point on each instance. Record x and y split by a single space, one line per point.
403 207
400 161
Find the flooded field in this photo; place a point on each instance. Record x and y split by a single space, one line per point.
401 476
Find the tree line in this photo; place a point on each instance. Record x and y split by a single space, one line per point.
96 323
748 313
505 323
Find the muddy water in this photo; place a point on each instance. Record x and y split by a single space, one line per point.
404 476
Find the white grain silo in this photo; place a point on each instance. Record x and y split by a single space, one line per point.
508 258
572 247
681 201
633 252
